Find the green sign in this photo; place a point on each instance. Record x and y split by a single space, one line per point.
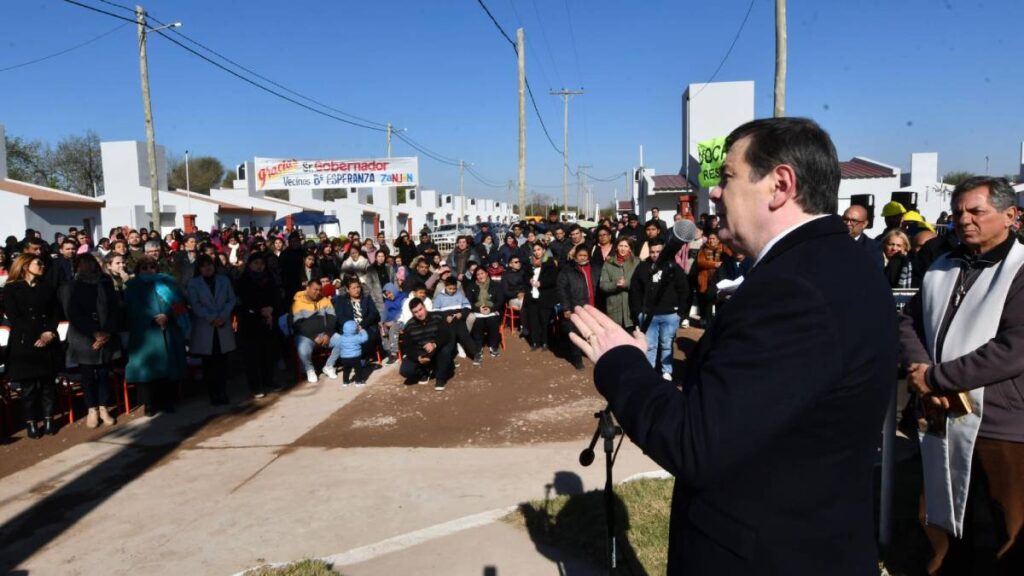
712 156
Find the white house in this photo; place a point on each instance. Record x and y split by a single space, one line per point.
46 210
128 195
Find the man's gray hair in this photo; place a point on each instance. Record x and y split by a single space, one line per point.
152 245
1000 192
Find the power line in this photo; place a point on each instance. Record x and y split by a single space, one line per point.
481 179
528 89
367 125
272 82
116 5
727 52
66 50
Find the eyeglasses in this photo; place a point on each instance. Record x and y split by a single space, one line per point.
852 221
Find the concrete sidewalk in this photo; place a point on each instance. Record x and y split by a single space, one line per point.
140 503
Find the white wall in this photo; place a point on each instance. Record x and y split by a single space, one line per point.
880 188
13 207
126 169
710 111
50 219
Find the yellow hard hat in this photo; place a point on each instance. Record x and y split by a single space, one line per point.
915 216
893 208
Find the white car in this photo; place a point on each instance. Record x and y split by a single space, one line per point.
445 235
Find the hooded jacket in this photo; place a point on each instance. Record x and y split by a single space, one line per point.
352 340
393 308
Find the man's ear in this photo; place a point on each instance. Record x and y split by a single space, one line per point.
784 178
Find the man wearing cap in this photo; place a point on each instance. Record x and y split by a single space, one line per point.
893 214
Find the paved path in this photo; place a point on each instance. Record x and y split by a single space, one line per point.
141 502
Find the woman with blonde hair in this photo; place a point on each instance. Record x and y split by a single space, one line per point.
896 252
33 352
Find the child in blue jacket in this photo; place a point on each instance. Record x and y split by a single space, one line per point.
352 339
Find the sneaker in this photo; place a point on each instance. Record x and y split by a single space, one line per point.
439 385
685 323
344 384
311 376
495 352
461 351
478 358
93 419
360 383
330 372
392 359
259 395
424 379
666 376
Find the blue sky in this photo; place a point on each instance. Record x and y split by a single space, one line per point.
886 78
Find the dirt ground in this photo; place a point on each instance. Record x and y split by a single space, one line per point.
18 452
522 397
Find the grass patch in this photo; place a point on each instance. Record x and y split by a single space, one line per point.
304 568
577 523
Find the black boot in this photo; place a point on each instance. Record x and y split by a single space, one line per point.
49 427
32 430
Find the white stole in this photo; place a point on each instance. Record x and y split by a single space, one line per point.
947 461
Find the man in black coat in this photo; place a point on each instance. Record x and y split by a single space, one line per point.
428 347
773 437
856 220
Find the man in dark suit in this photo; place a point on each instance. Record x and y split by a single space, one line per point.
773 437
856 219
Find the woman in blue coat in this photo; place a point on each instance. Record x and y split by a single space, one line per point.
157 322
213 302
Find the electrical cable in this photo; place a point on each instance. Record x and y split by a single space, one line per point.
727 52
528 89
65 51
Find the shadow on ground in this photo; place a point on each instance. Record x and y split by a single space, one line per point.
144 445
578 528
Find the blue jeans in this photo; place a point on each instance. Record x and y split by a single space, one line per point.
304 346
662 333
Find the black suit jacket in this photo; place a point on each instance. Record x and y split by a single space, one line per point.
773 438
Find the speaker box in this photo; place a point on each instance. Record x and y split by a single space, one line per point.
908 199
867 201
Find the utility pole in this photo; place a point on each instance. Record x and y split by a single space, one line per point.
581 176
188 184
521 50
140 18
565 94
462 194
391 200
780 58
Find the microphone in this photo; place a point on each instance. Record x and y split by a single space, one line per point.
681 234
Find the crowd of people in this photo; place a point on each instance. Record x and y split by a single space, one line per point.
136 303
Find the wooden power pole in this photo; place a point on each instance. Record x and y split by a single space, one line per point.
154 222
521 50
780 58
565 94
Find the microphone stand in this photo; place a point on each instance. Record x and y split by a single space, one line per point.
608 430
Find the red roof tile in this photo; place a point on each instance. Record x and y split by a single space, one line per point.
43 196
861 168
625 205
671 182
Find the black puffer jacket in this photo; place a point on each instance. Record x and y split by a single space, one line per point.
573 290
418 333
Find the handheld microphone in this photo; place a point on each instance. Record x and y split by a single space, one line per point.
681 234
